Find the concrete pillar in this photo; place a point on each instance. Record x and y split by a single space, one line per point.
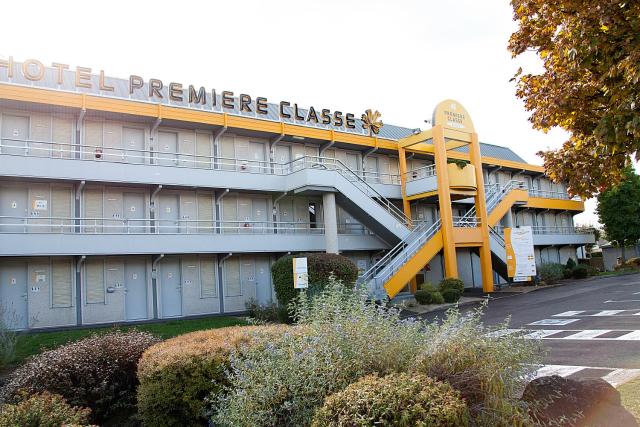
508 219
330 223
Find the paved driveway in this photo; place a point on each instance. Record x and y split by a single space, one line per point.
590 328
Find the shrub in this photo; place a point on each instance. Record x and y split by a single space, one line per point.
428 286
436 298
394 400
177 375
42 410
633 262
571 264
451 283
424 297
550 273
267 313
580 271
487 366
450 295
320 266
284 380
8 338
98 372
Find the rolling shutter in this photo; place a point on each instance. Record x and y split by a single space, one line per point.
205 213
93 140
203 151
61 283
94 284
40 132
208 288
92 210
232 286
63 135
61 210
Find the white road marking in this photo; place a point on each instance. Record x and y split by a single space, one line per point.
588 334
624 300
615 377
608 313
621 376
569 313
553 322
631 336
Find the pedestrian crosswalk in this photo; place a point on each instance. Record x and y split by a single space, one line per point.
614 376
598 313
574 334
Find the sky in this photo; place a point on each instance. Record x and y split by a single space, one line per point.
400 57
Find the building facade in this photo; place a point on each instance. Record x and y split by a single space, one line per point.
131 200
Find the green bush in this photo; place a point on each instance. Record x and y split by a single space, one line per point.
550 273
177 375
571 264
98 372
580 271
451 283
8 338
488 368
346 336
394 400
320 267
424 297
428 286
267 313
450 295
43 410
436 298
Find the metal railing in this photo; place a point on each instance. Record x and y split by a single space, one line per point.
421 172
466 221
550 229
546 194
498 236
326 163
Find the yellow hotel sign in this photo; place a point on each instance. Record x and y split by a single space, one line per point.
451 114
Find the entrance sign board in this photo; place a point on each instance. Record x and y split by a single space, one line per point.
300 273
521 261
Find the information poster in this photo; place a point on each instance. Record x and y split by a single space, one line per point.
300 273
521 261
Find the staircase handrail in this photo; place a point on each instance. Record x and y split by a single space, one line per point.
351 176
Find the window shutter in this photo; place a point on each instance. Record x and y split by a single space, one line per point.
232 287
61 283
95 282
208 288
205 213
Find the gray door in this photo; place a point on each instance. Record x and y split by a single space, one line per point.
13 209
134 145
171 288
263 281
257 157
285 216
134 213
13 294
168 213
352 162
114 220
15 132
283 157
135 281
167 148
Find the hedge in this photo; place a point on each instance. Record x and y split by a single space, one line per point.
43 410
177 375
451 283
394 400
320 267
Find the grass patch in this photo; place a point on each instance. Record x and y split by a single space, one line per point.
29 344
617 272
630 394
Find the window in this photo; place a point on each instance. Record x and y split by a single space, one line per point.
312 216
208 287
61 284
94 282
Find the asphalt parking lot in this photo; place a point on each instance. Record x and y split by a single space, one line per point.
590 328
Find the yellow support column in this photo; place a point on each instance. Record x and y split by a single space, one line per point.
481 212
402 159
444 201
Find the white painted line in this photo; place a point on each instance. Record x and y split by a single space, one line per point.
562 370
621 376
542 333
608 313
588 334
631 336
569 313
624 300
553 322
615 377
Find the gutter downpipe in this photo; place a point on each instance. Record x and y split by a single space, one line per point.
154 283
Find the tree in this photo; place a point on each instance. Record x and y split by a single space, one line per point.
619 210
589 87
